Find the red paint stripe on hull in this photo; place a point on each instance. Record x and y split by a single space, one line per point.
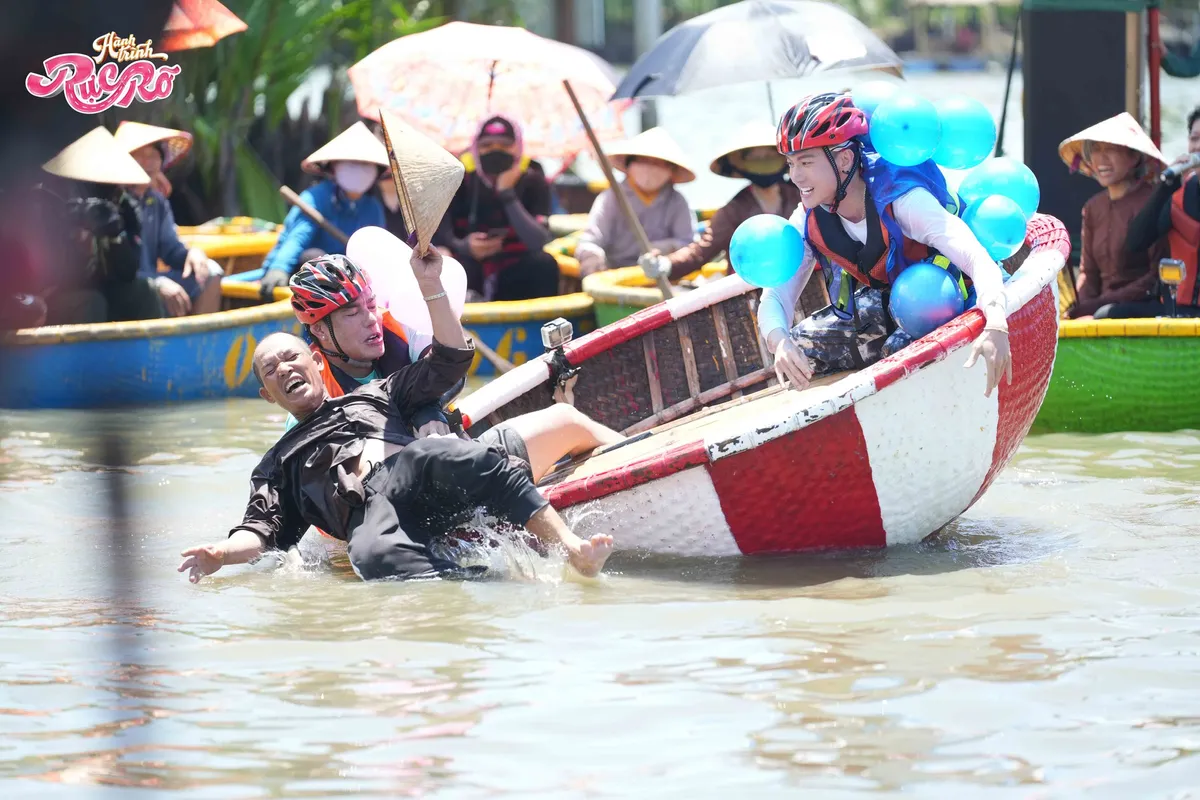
608 337
627 476
809 490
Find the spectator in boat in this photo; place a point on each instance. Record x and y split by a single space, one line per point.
496 223
101 281
351 469
750 156
1118 154
863 221
350 165
653 164
188 281
356 342
1173 212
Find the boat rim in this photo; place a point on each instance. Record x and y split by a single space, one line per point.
1148 328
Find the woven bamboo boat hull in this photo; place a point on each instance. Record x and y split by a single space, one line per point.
887 455
1124 375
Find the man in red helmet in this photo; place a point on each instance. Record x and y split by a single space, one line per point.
350 468
358 342
864 221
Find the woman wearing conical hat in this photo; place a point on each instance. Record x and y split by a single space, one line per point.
188 281
653 164
350 165
1119 155
750 155
100 281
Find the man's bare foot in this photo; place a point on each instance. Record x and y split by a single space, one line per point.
589 555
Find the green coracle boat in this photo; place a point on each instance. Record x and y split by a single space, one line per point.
1124 375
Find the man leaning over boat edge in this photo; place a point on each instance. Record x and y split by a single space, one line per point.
865 220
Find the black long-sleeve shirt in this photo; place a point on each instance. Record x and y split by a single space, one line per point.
1154 220
301 481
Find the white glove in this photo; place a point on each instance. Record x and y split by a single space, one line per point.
655 266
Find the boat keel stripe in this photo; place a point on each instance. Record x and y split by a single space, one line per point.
808 490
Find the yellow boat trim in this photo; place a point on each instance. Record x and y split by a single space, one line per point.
228 245
542 308
151 328
241 290
629 286
1130 328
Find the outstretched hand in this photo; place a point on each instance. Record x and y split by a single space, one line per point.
203 560
992 345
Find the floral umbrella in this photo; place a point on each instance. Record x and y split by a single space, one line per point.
447 80
198 23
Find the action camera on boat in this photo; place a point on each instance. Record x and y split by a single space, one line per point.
556 333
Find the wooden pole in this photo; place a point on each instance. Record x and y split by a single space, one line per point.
313 214
664 285
495 359
1154 46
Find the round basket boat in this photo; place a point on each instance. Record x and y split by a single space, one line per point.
733 464
117 364
1124 375
237 246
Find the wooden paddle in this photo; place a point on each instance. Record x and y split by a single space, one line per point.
313 214
664 284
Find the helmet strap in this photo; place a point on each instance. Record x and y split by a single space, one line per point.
843 183
340 354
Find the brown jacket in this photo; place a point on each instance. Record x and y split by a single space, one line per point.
715 240
301 481
1111 274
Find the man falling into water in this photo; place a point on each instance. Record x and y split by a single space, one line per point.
351 468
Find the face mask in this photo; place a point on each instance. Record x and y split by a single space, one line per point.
495 162
648 177
761 180
355 177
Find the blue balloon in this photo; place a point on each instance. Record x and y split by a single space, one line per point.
999 225
905 129
1006 177
924 297
766 250
869 95
968 133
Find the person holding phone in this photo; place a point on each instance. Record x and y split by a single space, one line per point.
496 223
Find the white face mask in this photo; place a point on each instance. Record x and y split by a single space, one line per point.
649 177
355 176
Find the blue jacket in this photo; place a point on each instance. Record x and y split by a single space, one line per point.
300 233
159 237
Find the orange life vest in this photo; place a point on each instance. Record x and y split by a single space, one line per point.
395 354
866 262
1184 239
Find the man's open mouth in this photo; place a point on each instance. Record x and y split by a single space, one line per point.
293 385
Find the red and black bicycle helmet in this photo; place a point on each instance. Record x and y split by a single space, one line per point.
829 121
324 285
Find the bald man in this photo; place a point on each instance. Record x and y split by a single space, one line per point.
351 468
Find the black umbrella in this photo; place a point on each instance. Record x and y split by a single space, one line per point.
756 40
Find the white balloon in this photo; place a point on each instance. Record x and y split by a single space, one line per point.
385 260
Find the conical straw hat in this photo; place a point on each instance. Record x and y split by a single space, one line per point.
1121 130
356 143
653 143
752 134
96 157
426 176
132 135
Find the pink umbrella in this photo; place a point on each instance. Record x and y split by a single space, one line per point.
446 80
